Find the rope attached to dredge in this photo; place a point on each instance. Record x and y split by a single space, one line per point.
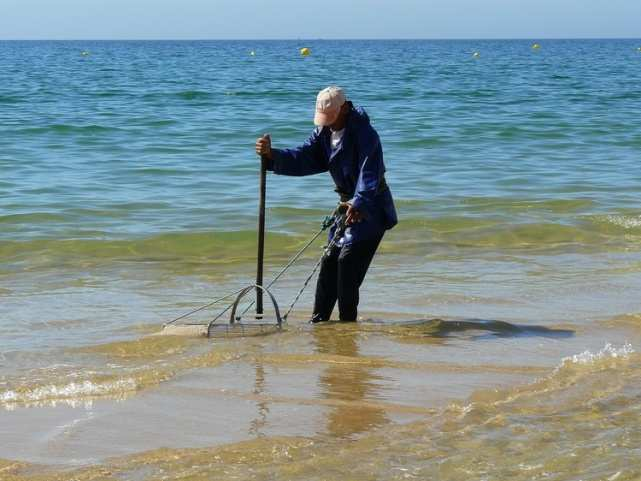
327 222
336 219
338 233
202 308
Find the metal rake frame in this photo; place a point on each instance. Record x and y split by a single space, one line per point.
234 321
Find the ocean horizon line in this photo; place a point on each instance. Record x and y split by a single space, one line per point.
311 39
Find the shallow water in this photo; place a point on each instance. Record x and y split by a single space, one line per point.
369 401
128 197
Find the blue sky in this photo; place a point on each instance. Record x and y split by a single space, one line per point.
254 19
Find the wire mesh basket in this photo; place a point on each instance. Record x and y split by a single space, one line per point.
242 329
239 326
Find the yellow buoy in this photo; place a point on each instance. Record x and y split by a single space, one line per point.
476 54
305 51
536 46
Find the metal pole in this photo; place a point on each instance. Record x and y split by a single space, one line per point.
261 235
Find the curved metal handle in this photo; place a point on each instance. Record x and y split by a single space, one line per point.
243 293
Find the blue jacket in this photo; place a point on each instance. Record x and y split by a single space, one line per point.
357 167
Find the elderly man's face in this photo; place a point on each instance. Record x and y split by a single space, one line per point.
339 123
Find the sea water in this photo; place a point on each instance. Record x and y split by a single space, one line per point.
128 196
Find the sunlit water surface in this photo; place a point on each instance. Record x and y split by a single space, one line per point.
501 324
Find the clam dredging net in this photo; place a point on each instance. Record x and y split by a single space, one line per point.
239 324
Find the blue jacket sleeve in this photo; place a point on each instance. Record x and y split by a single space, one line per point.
371 168
308 159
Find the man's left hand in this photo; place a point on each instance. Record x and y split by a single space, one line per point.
353 215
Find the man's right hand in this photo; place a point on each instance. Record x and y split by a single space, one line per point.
264 146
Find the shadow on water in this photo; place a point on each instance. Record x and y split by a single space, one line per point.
474 328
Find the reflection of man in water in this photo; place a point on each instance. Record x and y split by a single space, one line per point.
349 382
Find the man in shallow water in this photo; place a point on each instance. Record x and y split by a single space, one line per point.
345 144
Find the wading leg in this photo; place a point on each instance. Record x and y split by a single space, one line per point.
326 287
353 262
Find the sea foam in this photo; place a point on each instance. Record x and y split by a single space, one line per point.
72 390
608 352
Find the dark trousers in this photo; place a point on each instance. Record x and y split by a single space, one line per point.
341 275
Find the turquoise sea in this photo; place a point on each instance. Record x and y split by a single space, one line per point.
128 195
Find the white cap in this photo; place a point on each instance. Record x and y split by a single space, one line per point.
328 105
